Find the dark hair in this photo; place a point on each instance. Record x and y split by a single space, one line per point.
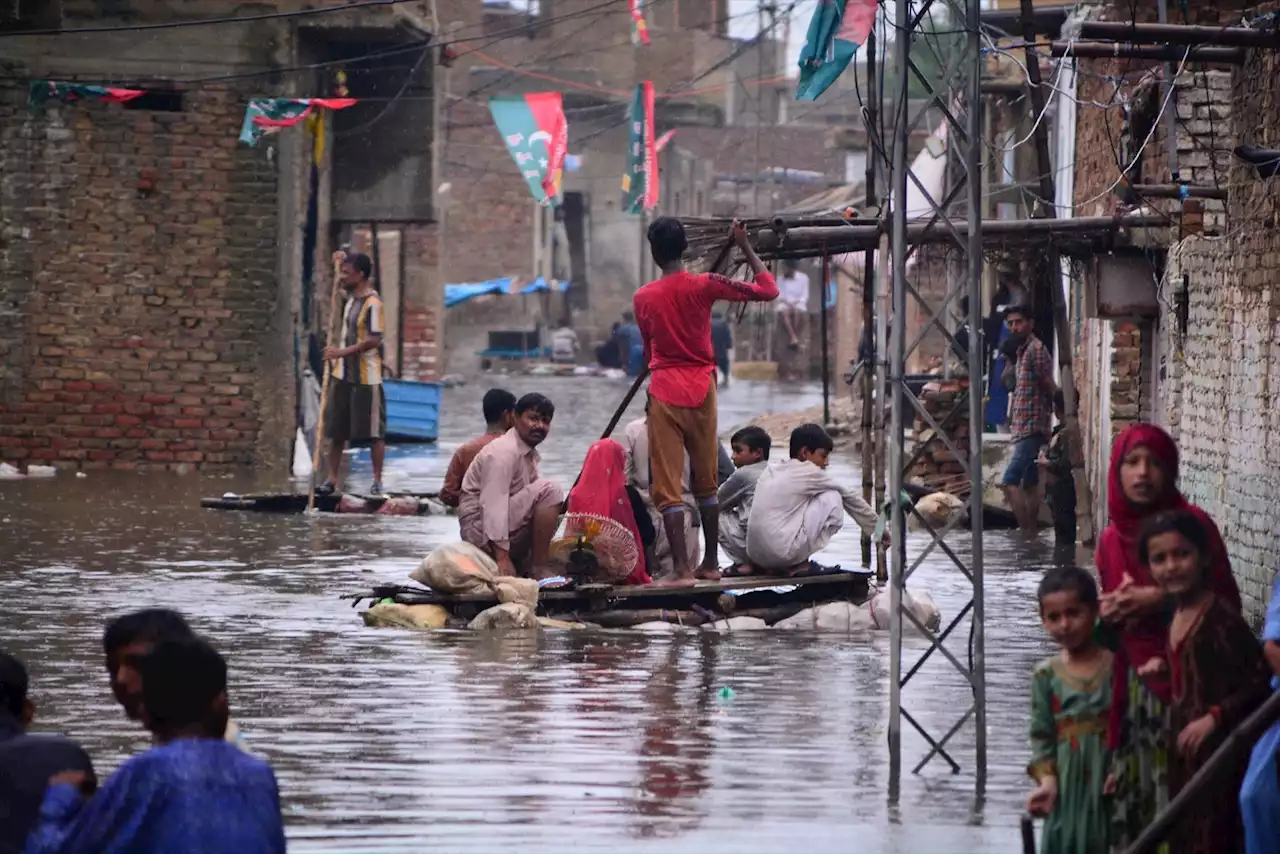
153 625
361 263
180 681
753 438
1019 309
810 436
963 305
1182 522
497 403
1069 579
667 240
539 403
790 264
13 685
629 316
1059 400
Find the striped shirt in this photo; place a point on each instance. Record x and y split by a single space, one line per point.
361 319
1032 391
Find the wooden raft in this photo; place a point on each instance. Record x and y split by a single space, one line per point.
693 605
296 502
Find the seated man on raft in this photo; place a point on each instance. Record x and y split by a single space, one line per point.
797 508
507 508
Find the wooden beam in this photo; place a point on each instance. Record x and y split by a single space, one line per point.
1179 34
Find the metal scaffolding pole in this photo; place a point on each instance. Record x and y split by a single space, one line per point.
957 96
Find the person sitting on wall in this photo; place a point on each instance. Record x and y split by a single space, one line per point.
507 508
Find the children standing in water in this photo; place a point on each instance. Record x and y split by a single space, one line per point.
1070 704
1218 674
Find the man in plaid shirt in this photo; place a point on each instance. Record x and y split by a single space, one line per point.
1032 410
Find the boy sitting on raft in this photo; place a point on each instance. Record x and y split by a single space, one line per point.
798 508
750 447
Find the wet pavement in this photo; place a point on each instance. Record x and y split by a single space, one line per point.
394 741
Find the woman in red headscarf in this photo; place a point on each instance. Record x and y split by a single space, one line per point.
1141 483
601 490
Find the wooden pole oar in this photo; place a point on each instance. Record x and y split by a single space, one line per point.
1242 738
338 258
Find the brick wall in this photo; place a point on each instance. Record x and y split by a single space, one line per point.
138 278
1217 371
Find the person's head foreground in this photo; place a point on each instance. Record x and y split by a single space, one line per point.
1144 468
13 691
1019 320
750 445
127 640
184 690
811 444
1175 547
667 241
533 418
1068 598
499 407
356 270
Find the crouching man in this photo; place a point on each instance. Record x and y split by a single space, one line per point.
507 508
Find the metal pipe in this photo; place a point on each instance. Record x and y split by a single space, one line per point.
1124 50
1179 34
898 236
975 226
1175 191
868 304
826 353
1170 111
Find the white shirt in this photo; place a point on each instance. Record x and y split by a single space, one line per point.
793 292
776 535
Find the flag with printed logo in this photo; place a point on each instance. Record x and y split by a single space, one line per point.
536 133
836 31
640 181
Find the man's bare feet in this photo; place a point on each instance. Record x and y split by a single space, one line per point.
707 573
674 580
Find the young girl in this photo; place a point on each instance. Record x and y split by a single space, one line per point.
1217 672
1070 704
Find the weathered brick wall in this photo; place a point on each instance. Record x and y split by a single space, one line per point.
138 274
1215 395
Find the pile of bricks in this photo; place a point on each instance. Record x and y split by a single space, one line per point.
937 467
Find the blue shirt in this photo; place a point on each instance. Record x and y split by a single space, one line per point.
195 796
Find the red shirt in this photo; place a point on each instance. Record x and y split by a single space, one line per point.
674 316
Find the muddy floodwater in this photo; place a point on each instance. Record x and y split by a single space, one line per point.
386 740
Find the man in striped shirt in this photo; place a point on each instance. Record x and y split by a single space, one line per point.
356 409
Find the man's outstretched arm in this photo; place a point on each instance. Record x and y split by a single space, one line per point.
763 289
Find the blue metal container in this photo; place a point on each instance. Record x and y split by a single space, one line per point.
413 410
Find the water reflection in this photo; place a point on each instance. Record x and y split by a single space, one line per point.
392 741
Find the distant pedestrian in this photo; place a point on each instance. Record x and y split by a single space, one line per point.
1032 408
1135 615
631 344
1218 674
357 410
792 304
27 761
1070 703
674 315
722 343
192 793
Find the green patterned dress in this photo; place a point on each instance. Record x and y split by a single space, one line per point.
1069 740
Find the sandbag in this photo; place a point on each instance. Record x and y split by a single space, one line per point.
844 617
938 509
549 623
457 568
392 614
920 604
509 616
402 506
520 591
739 624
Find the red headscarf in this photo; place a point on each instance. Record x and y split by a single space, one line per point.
602 491
1141 640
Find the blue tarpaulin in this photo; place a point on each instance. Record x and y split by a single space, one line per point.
539 285
455 294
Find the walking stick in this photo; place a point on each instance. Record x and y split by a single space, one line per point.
338 258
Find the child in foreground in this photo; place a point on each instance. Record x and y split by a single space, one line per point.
1218 673
750 447
1070 705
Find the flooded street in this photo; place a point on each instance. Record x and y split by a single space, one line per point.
386 740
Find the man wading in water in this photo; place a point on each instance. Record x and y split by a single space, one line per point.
674 316
357 411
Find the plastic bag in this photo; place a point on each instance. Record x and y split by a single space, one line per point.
457 568
406 616
520 591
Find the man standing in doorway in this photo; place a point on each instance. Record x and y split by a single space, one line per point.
793 301
356 408
674 316
1032 410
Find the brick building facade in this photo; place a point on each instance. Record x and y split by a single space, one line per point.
1202 359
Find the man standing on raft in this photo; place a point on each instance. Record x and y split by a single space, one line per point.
674 316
